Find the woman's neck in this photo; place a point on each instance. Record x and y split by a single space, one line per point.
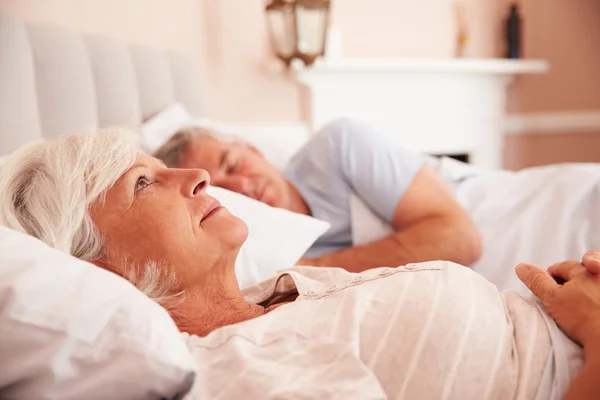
203 311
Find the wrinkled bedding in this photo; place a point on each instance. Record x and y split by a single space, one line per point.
541 215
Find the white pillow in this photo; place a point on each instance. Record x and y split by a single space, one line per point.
367 226
278 142
277 238
158 129
70 330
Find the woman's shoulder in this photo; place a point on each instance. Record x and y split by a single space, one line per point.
323 280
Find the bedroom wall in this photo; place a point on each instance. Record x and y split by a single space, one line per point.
248 84
565 102
175 25
252 89
408 28
252 86
168 24
245 84
535 149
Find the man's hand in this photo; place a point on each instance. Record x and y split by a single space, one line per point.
570 292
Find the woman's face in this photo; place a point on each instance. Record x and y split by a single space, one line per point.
154 213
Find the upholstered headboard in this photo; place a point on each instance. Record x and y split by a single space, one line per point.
54 81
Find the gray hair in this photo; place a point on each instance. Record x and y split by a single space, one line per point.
173 150
48 188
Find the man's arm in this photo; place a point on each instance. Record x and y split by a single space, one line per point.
430 225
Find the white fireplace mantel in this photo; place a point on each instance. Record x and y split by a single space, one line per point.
441 106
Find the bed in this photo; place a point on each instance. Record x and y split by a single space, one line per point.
54 81
541 215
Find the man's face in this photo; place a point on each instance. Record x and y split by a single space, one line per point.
238 167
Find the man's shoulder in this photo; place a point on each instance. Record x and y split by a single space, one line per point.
335 139
318 170
321 150
329 136
346 129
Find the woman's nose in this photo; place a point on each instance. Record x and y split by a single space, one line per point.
198 181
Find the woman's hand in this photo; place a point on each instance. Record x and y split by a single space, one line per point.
570 291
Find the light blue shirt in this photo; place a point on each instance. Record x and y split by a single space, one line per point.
348 157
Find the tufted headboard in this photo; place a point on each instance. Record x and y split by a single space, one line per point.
54 81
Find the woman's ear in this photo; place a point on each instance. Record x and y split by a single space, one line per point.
102 262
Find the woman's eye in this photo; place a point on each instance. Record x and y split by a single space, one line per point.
142 183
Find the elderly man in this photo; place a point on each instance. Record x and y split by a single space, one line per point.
344 158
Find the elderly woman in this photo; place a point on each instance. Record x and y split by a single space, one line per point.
422 331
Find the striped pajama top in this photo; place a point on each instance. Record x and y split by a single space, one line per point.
434 330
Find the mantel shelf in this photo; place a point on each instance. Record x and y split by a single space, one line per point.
433 106
488 66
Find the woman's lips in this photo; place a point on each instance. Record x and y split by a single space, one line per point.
216 206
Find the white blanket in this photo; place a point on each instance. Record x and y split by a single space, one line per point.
541 215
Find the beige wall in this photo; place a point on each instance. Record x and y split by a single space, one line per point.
540 149
245 83
567 34
175 24
229 40
408 28
168 24
252 87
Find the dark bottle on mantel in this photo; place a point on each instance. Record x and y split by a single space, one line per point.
513 33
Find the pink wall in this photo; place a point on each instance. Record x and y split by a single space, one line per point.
245 83
249 85
539 149
177 24
567 34
408 28
167 24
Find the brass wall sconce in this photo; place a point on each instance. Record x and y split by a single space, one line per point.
298 29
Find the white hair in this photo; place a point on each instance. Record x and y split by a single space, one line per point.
171 152
47 189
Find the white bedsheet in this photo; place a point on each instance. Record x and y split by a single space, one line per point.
541 215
